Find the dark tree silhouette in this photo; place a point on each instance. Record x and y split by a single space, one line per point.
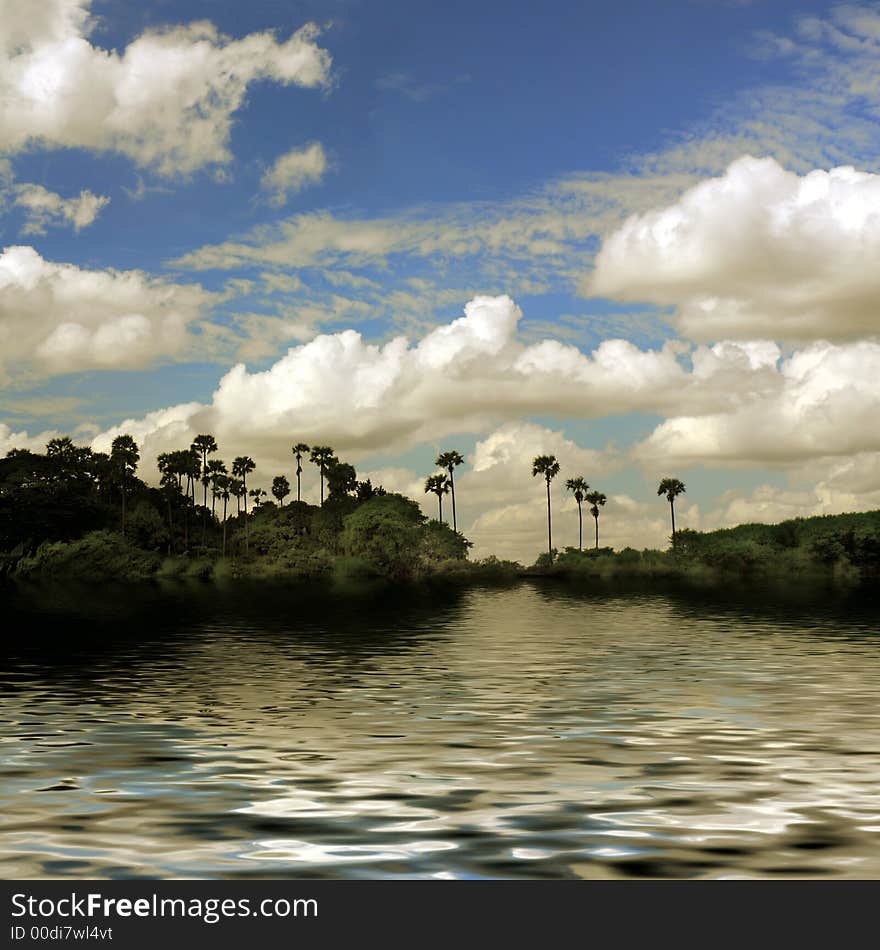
215 468
449 461
280 488
299 450
671 488
222 484
439 485
548 467
242 466
322 456
596 500
578 487
124 458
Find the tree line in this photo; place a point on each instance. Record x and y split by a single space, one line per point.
548 467
113 474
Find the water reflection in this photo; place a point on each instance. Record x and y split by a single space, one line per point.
533 731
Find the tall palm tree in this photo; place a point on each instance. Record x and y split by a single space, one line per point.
280 488
170 482
204 445
672 488
216 468
124 458
236 489
439 485
222 484
548 466
299 450
449 461
322 456
242 466
596 500
578 487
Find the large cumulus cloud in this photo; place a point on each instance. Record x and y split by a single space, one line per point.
60 318
759 252
167 100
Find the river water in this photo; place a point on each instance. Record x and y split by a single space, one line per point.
532 731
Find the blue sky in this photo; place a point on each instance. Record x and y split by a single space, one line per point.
458 151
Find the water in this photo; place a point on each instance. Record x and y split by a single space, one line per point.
531 731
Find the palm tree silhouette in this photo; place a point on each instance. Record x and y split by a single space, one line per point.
222 484
548 466
596 500
322 456
215 468
124 458
671 487
204 445
439 485
449 461
280 488
299 450
242 466
236 489
578 487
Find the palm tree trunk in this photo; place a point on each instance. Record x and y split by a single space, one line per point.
549 524
597 531
170 528
213 504
246 532
123 506
322 486
580 528
440 502
297 481
672 509
224 527
452 488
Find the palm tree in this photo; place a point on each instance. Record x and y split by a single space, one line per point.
299 450
322 456
170 482
439 485
204 445
548 466
222 484
449 461
216 468
671 487
124 458
242 466
578 487
596 499
257 495
236 489
280 488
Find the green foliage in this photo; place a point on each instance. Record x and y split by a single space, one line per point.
441 543
146 528
388 532
98 556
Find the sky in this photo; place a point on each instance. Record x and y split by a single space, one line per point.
642 237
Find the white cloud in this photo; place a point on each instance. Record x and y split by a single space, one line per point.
59 318
293 171
822 401
469 376
760 252
464 376
45 208
166 101
21 440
